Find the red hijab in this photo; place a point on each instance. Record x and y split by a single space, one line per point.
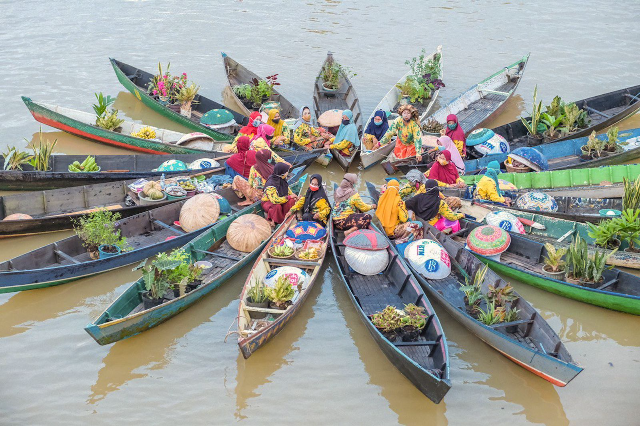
446 174
456 134
250 129
244 159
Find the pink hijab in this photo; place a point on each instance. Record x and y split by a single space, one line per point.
263 131
346 188
447 143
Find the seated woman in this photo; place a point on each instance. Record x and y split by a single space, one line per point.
445 171
456 133
250 130
394 217
281 129
314 206
415 184
488 188
307 136
431 208
263 139
278 198
240 164
409 136
348 208
347 137
446 144
252 189
375 130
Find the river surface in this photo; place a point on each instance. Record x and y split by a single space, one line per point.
324 368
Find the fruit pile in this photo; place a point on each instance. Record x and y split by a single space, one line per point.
309 254
153 191
187 185
432 126
145 133
282 251
88 165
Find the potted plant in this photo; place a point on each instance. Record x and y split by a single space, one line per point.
14 158
583 120
512 315
186 97
257 298
281 294
160 85
388 322
553 130
501 295
631 197
533 126
156 282
243 92
629 228
571 113
593 148
330 75
41 153
99 234
554 265
413 322
584 270
611 145
472 290
107 120
606 233
492 315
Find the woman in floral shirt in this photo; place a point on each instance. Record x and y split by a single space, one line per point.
252 189
348 210
409 136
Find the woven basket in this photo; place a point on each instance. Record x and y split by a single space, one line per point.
320 254
511 169
270 251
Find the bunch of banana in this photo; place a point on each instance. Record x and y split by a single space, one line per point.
310 254
282 251
88 165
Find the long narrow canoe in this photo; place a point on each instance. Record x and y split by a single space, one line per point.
251 336
67 260
533 346
126 316
484 101
113 168
137 81
556 231
425 362
523 260
390 103
238 74
82 124
566 154
344 98
54 210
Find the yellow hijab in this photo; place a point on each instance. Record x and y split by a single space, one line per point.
278 125
387 211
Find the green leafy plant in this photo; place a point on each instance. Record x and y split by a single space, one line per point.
281 293
491 315
414 317
594 145
14 158
556 108
257 292
388 320
536 113
473 289
99 228
612 139
583 120
243 91
500 296
512 315
571 113
552 124
109 121
155 276
582 267
604 233
553 259
629 227
331 71
187 94
631 197
103 103
421 65
41 153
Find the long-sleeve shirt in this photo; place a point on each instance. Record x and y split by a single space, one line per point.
353 204
486 190
409 190
443 211
271 194
344 146
321 208
407 134
303 133
426 174
255 180
258 144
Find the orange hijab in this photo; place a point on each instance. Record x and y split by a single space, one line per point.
387 211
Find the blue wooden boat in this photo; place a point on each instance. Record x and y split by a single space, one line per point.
424 362
126 316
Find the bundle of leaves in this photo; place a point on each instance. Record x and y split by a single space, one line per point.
99 228
388 320
281 293
107 120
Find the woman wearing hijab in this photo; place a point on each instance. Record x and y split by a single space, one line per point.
488 188
347 136
278 198
305 135
409 136
239 164
445 171
252 189
430 207
394 217
456 133
250 130
446 144
263 139
281 130
349 209
415 184
375 129
314 206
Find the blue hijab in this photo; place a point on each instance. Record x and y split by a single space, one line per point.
378 131
493 174
348 132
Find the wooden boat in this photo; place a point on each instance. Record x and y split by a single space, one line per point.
558 232
82 124
67 260
126 316
523 261
485 100
534 345
425 362
113 168
237 74
254 333
54 210
345 97
136 81
390 103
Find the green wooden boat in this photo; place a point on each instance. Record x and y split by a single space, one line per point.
572 182
126 316
523 260
559 232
